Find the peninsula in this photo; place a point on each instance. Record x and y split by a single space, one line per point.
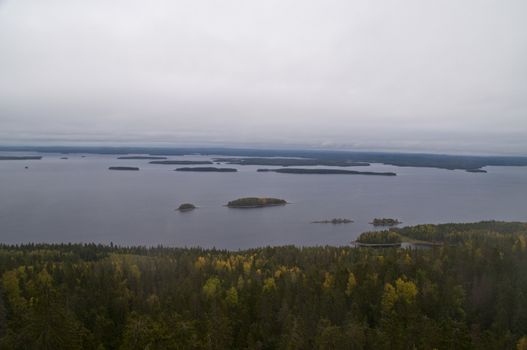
123 168
255 202
209 169
325 171
382 239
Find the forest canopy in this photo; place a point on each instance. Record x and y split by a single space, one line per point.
468 293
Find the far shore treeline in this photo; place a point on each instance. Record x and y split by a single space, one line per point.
322 157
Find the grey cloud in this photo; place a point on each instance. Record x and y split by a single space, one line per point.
433 75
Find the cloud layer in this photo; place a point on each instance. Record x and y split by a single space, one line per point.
421 75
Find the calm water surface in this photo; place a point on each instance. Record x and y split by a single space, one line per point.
80 200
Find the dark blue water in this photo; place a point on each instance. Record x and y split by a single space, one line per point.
80 200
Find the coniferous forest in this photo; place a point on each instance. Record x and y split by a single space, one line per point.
468 291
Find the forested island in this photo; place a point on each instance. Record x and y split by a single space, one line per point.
141 157
181 162
186 207
385 222
476 171
289 162
208 169
466 294
132 168
255 202
325 171
333 221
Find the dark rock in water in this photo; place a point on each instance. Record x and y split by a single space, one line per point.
186 207
63 157
27 167
476 171
209 169
255 202
123 168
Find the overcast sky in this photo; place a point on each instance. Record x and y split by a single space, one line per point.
423 75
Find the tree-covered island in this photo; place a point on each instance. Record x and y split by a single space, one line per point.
255 202
186 207
385 222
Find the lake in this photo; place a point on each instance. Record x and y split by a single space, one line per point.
79 200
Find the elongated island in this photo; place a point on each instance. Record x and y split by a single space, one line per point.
208 169
385 222
333 221
132 168
181 162
325 171
255 202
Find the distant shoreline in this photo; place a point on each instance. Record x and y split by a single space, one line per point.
400 159
20 157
